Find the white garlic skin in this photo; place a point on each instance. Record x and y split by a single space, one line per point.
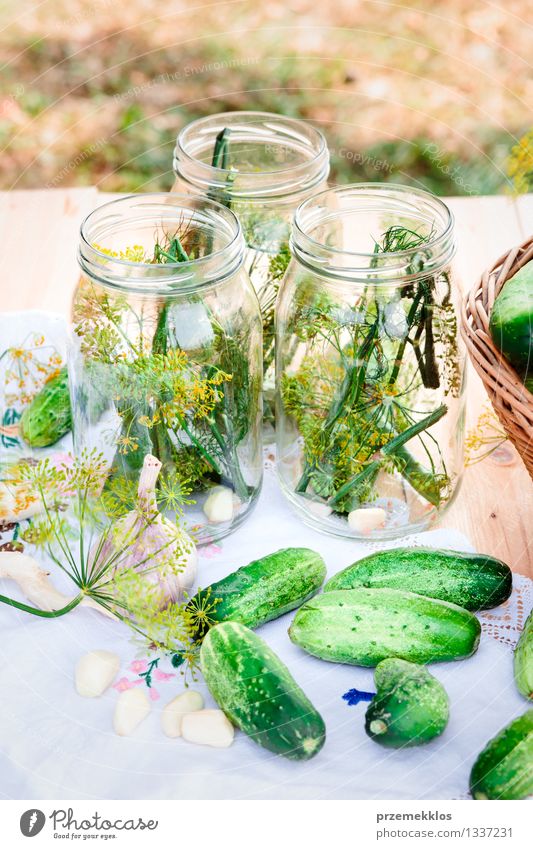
132 707
173 713
208 728
367 519
95 672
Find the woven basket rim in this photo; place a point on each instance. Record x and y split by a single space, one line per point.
511 400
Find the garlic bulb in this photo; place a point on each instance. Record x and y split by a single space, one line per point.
18 502
148 542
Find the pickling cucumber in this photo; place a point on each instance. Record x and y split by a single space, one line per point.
410 706
48 417
523 660
511 320
504 769
258 694
473 581
366 625
262 590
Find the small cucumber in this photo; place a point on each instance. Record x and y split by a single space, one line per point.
258 694
473 581
48 417
410 706
511 320
264 589
523 660
367 625
504 769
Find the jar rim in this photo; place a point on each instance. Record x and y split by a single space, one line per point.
120 272
440 245
277 181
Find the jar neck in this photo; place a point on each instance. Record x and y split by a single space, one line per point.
253 156
370 232
118 244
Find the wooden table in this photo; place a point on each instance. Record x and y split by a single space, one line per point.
494 508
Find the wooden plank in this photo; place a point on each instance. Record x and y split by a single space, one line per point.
38 266
494 507
524 206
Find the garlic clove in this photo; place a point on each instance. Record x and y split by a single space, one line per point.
18 502
131 709
367 519
209 728
95 671
219 506
173 713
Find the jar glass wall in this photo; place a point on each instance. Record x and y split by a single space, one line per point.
370 365
166 354
262 166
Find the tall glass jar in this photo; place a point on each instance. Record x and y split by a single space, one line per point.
262 166
370 366
166 354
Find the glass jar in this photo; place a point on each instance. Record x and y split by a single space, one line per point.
262 166
370 366
166 354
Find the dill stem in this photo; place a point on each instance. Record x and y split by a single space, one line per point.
389 450
47 614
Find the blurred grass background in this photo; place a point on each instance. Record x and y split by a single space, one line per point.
94 91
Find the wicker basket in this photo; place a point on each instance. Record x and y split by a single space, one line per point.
510 399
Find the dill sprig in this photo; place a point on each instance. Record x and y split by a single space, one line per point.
77 532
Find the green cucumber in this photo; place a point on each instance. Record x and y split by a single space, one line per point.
264 589
366 625
511 320
473 581
504 769
48 417
258 694
523 660
410 706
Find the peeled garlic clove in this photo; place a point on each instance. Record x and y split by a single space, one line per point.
219 505
367 519
173 713
209 728
95 671
131 708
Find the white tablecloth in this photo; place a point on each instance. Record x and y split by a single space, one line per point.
57 745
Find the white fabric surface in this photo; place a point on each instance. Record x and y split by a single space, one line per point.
55 744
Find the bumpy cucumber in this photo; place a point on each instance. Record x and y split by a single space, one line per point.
511 320
410 706
48 417
523 660
504 769
264 589
367 625
474 581
258 694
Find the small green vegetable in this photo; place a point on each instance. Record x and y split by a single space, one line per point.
262 590
410 706
473 581
366 625
258 694
511 321
48 417
523 660
504 769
